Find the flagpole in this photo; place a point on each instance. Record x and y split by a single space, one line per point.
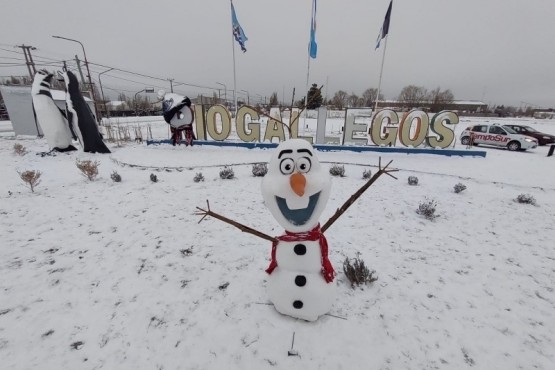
381 72
306 89
310 42
234 72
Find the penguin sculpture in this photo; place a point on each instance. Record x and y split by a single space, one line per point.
81 118
51 119
179 115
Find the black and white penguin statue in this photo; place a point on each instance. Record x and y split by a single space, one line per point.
51 119
81 118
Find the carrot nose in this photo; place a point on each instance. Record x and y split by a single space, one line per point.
298 183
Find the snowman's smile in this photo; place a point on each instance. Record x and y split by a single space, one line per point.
298 217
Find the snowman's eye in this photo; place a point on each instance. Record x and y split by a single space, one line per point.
303 164
287 166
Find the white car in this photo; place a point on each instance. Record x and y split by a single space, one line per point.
497 136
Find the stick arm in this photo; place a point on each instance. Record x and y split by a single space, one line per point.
359 192
208 212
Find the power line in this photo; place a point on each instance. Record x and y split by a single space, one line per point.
12 51
12 58
153 77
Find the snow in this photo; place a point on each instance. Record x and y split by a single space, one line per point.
103 275
6 128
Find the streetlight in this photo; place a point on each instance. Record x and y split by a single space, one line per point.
225 90
248 97
148 90
171 83
102 90
86 65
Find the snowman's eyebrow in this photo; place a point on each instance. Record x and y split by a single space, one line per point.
304 151
285 151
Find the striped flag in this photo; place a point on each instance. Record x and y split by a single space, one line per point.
238 32
313 47
385 27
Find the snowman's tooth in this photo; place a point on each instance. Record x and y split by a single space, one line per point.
297 202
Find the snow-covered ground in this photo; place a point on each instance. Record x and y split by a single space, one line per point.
103 275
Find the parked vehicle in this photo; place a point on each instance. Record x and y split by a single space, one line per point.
543 139
497 135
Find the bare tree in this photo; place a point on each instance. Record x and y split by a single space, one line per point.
274 100
340 99
439 100
413 96
369 97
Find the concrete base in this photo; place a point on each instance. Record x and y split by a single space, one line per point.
338 148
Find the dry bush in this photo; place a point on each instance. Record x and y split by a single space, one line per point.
526 199
427 209
115 177
19 149
459 188
198 177
413 180
227 173
88 168
357 272
366 174
30 178
153 177
337 170
259 169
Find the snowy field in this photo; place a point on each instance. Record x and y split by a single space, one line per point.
103 275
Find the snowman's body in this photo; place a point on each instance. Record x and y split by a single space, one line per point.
296 190
297 287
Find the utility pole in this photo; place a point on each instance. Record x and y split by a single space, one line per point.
91 86
171 83
80 71
29 59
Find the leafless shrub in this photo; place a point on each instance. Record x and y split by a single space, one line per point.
153 177
198 177
366 174
526 199
357 272
115 177
88 168
337 170
227 173
459 188
30 178
427 209
259 169
19 149
413 180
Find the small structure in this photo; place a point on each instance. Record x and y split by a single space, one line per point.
19 104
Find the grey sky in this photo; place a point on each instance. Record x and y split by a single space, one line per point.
498 51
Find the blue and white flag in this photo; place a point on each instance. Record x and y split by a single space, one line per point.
385 27
238 32
313 47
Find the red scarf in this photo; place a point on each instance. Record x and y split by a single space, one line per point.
315 234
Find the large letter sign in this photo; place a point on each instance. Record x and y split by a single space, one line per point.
413 130
211 122
420 131
254 127
446 135
389 129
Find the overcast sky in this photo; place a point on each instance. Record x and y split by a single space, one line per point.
498 51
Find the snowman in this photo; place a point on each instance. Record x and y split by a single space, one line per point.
296 190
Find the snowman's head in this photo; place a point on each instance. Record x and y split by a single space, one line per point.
295 189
